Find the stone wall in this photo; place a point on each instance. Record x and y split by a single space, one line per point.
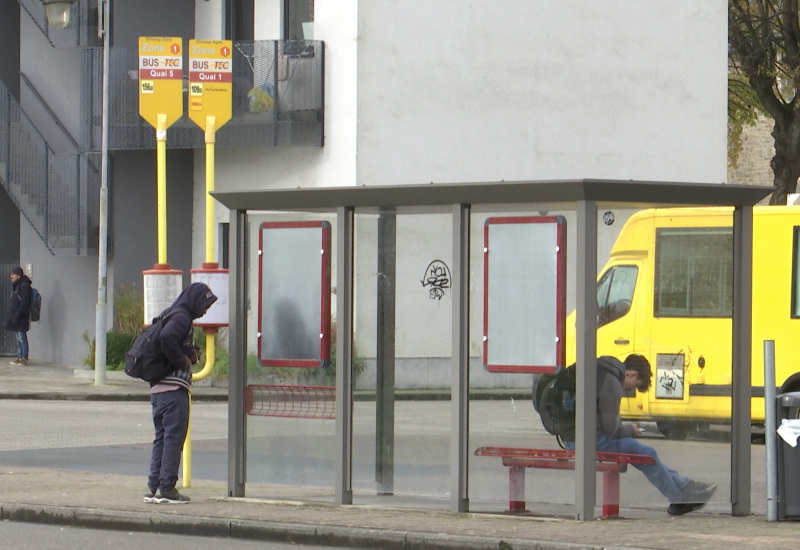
757 151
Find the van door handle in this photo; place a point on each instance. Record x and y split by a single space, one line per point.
622 342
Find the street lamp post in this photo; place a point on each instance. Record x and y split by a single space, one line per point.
58 18
102 245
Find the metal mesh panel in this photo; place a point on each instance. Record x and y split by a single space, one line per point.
81 30
51 191
289 73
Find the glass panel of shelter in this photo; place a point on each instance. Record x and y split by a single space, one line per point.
402 380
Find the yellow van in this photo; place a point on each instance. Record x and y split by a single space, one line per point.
667 293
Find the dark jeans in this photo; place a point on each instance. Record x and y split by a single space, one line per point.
22 344
171 421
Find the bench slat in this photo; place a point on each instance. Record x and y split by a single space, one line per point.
561 454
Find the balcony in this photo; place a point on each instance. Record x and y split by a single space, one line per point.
277 99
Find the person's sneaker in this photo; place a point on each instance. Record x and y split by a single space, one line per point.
22 361
680 508
699 491
149 495
170 496
16 361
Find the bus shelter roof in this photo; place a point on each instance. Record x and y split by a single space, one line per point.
630 192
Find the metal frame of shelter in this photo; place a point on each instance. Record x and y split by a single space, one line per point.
586 196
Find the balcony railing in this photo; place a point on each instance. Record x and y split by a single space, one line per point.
277 99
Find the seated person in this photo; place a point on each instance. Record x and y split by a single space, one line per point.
614 378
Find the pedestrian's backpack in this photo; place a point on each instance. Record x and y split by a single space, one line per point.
557 405
36 305
145 359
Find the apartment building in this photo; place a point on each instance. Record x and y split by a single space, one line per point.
364 92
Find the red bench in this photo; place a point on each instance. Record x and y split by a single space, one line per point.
517 459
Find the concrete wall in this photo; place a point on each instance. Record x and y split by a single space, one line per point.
134 214
511 90
514 90
452 92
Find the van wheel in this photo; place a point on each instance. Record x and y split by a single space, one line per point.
677 429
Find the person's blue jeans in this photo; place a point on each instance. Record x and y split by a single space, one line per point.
669 482
22 344
171 421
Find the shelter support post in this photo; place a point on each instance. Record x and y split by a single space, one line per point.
385 316
742 355
237 346
586 339
345 216
459 412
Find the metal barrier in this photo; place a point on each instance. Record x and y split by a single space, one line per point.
290 401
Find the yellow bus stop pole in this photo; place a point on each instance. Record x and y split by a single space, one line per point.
161 156
209 365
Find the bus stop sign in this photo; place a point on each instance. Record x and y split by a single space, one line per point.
160 79
210 81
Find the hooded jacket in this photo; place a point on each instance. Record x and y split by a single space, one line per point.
610 376
19 307
177 335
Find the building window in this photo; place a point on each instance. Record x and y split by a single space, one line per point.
240 19
298 20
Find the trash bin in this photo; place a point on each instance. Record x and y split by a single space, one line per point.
788 456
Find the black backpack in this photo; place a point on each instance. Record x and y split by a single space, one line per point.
36 305
557 404
145 359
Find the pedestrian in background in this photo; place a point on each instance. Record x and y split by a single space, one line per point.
18 319
170 395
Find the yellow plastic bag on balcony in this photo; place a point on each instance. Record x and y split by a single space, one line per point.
262 98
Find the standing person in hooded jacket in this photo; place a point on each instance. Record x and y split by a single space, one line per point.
18 319
170 395
614 378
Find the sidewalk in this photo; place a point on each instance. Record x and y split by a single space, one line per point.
112 501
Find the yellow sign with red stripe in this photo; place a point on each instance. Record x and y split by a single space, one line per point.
160 79
210 81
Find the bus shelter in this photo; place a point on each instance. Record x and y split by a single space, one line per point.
256 246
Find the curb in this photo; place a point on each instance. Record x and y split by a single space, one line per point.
294 533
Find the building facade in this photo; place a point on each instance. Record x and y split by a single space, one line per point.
366 92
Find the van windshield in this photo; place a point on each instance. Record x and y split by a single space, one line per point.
615 292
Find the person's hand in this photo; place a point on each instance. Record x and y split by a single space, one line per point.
192 353
636 430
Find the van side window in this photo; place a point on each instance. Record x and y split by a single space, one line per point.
796 274
694 272
615 292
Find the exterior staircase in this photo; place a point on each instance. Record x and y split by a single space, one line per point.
53 192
